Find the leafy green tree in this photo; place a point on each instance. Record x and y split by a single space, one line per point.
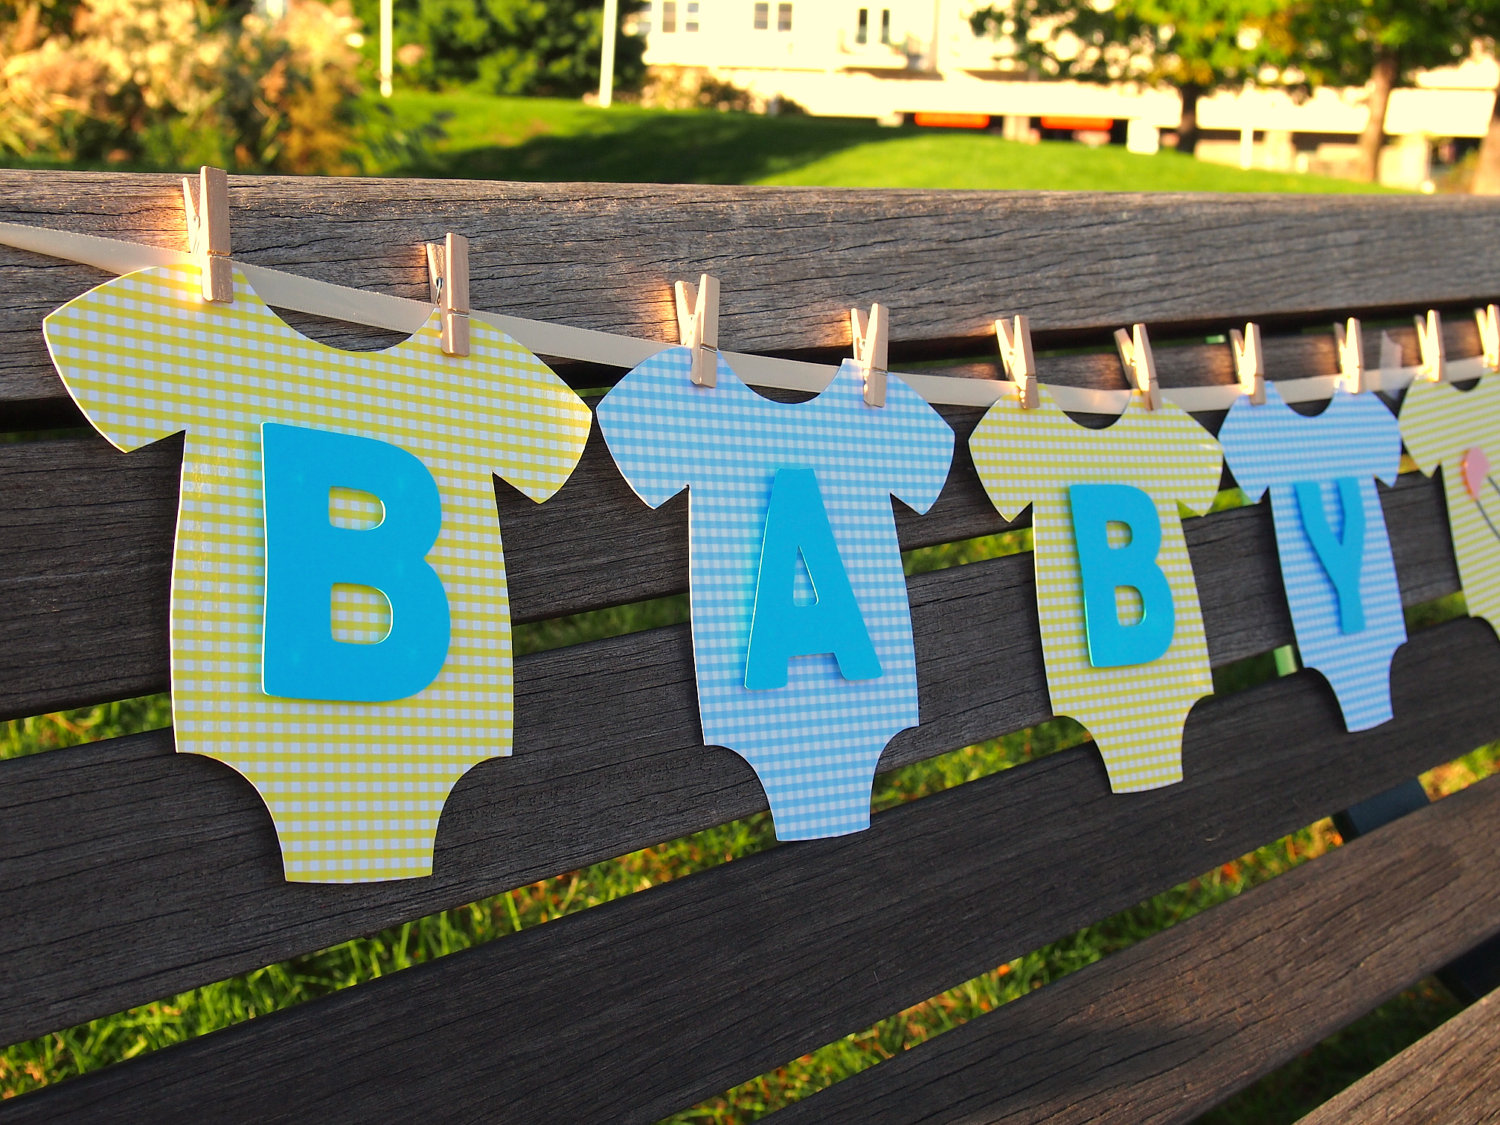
1194 46
174 83
507 46
1379 43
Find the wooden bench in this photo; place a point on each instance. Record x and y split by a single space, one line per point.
129 872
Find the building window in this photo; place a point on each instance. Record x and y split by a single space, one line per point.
885 25
783 17
862 31
669 15
762 17
691 23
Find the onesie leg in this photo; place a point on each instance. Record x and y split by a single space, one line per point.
820 793
337 824
1364 694
1142 752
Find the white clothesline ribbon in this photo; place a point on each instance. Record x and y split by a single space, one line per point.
401 314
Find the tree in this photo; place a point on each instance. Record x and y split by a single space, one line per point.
1194 46
174 83
508 46
1378 43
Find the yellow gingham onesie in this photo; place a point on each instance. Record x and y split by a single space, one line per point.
1135 713
1460 431
354 789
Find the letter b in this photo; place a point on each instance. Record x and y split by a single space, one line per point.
1102 568
306 555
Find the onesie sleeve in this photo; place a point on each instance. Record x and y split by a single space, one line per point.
917 446
1196 461
538 425
1425 422
1242 437
133 354
1375 445
1008 455
655 422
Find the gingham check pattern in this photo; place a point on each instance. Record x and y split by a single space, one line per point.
1439 423
813 743
1272 447
1136 713
354 789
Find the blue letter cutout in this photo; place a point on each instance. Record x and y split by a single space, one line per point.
1342 556
306 555
1102 568
797 522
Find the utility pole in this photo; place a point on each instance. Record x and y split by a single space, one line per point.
607 56
386 34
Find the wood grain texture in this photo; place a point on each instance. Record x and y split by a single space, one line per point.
1445 1078
631 1010
86 614
1169 1027
946 263
128 836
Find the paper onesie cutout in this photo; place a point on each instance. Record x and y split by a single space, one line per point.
1460 431
1331 536
1036 457
814 741
354 788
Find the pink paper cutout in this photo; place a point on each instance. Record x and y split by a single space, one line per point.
1476 467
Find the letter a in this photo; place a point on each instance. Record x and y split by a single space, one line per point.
797 523
1342 556
306 555
1102 568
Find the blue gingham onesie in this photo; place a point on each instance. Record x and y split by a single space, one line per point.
814 743
1273 447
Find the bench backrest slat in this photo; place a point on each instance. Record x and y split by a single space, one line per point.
792 263
1156 1033
63 643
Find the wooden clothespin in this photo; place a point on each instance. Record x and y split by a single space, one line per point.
871 350
1249 362
206 205
1433 365
698 325
1140 368
448 284
1020 363
1488 319
1351 347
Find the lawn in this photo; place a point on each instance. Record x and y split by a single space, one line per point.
553 140
532 139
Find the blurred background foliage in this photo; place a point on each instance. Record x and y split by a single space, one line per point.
174 83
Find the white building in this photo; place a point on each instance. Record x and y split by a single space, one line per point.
897 60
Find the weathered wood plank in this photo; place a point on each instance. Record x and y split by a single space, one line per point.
127 836
685 989
1445 1078
1171 1026
85 537
1079 264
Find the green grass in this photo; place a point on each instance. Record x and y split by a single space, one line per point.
553 140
